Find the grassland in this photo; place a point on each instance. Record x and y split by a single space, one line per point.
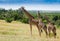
17 31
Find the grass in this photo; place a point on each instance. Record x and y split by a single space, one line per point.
17 31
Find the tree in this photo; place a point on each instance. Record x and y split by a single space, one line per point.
55 18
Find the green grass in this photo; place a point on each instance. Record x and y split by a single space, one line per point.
17 31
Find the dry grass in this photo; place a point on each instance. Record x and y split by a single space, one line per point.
17 31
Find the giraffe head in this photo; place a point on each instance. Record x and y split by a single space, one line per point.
22 8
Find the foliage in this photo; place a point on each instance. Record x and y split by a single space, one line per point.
57 22
14 15
9 20
24 20
55 18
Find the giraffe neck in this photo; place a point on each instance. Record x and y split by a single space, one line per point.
27 14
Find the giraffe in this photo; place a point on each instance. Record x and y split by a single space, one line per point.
51 27
41 24
34 21
31 20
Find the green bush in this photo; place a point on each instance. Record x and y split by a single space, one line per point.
55 18
24 20
57 22
44 21
9 20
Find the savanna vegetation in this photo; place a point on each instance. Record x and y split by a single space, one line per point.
11 28
17 31
18 15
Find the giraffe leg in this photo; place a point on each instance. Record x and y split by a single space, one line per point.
54 32
30 27
49 32
45 29
39 30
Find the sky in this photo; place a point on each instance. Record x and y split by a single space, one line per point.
31 4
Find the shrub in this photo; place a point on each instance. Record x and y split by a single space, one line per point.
24 20
44 21
57 22
55 18
9 20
